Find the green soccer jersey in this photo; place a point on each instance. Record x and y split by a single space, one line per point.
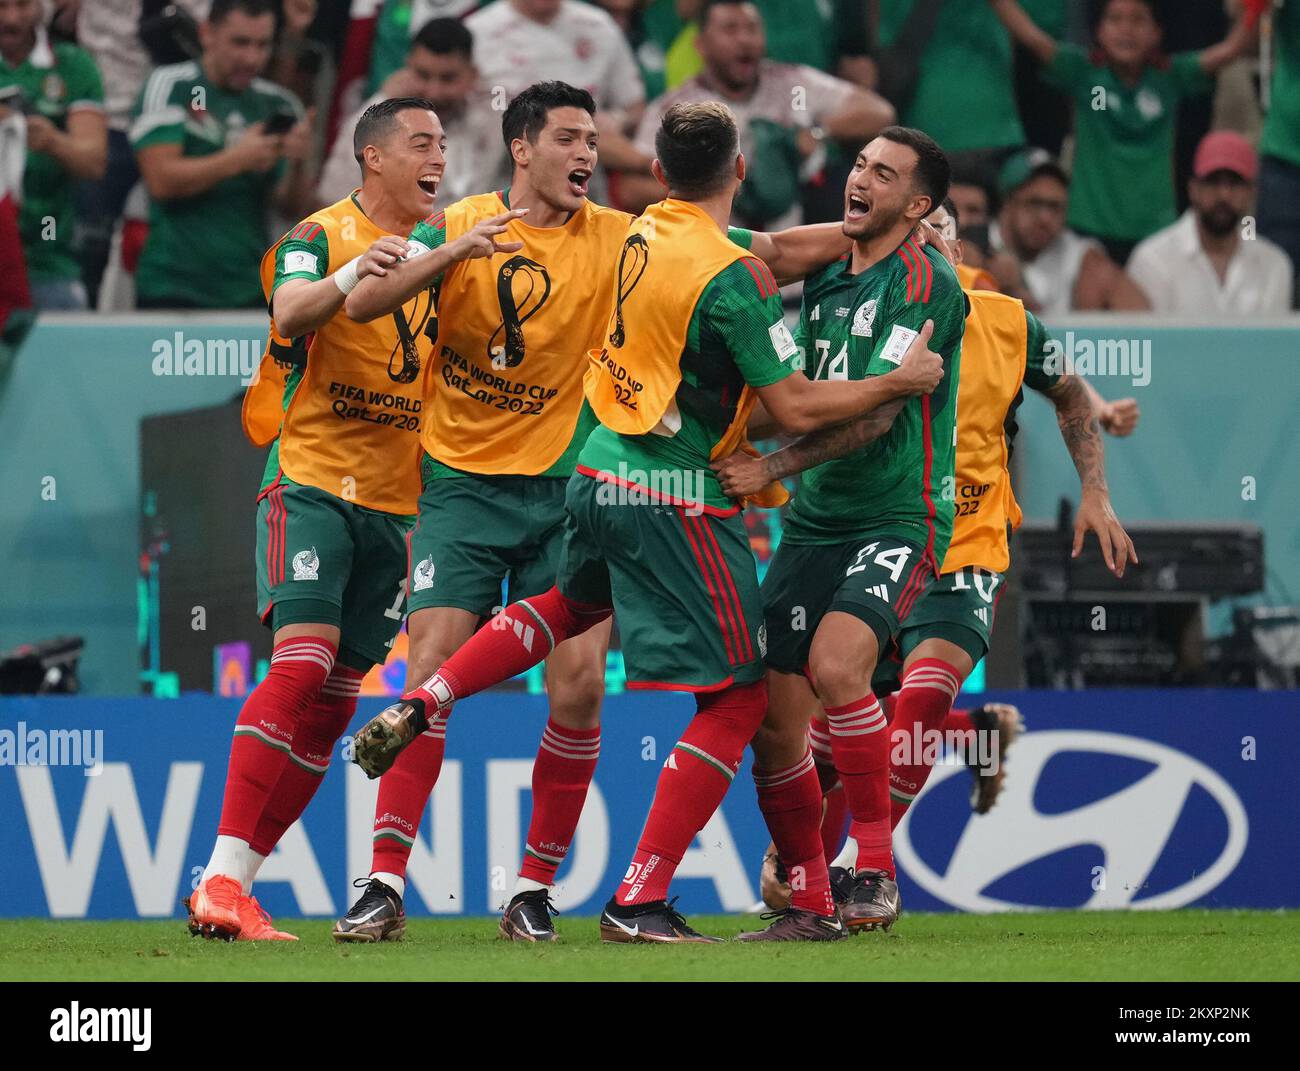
1282 126
736 336
1123 186
56 81
205 250
855 326
965 94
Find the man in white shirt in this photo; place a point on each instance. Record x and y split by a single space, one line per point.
1208 263
439 67
811 106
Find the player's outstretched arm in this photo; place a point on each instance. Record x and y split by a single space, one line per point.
378 295
800 405
1081 432
813 408
1025 30
797 252
742 474
301 306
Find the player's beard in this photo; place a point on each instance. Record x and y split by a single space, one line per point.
876 223
1219 220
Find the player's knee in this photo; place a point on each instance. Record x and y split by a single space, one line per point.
779 742
575 701
838 679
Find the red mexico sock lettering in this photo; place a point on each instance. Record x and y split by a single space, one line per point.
791 802
928 688
319 728
519 637
695 777
265 727
860 743
403 793
562 771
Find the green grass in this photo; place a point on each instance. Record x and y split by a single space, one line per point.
1176 945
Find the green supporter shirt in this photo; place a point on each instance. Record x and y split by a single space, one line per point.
48 215
855 326
965 93
1123 181
1282 126
206 250
731 341
304 253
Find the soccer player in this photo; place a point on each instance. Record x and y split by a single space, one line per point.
339 489
947 630
868 529
504 421
694 337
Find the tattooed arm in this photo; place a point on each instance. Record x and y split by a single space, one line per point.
742 475
1081 433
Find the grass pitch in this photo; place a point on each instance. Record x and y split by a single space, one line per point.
1076 946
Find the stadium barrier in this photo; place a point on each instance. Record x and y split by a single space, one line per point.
1113 800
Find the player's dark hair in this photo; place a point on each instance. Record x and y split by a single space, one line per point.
445 37
702 16
526 116
933 173
379 120
697 146
220 9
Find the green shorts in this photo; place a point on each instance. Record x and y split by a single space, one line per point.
878 581
957 607
324 560
683 586
475 532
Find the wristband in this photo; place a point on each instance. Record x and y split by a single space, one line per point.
346 278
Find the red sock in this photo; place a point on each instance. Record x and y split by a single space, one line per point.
791 802
695 777
929 686
861 746
403 793
265 727
562 771
836 806
519 637
958 720
319 728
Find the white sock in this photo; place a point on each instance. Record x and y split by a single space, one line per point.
398 885
528 885
229 857
253 865
848 857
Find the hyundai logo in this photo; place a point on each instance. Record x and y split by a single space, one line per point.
1131 827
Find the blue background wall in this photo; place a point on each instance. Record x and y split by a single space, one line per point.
1220 406
1112 799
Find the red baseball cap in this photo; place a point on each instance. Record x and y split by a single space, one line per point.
1225 150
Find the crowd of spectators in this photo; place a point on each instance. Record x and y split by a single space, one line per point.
1108 154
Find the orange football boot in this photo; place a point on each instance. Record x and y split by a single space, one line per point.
214 908
256 923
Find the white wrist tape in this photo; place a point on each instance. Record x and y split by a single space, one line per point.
346 277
